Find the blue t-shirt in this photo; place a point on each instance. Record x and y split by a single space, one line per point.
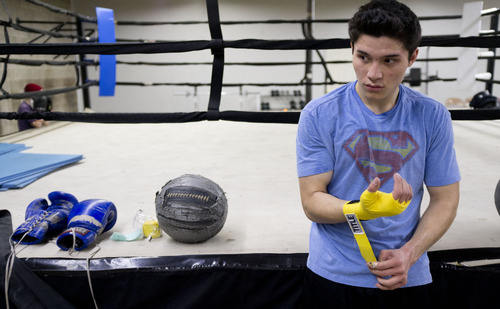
338 133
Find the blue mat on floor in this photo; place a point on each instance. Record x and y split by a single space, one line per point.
18 170
6 148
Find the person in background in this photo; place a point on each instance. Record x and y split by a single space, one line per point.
41 103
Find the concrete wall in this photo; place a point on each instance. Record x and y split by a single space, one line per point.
48 77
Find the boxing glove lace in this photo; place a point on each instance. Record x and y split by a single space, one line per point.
44 220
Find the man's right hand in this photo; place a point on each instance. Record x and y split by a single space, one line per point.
374 204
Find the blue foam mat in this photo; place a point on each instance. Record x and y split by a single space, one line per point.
6 148
18 170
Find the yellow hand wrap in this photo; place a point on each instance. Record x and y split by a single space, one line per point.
372 205
361 239
375 204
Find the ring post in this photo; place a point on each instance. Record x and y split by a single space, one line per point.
217 47
467 58
107 63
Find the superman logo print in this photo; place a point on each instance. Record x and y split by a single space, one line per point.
380 154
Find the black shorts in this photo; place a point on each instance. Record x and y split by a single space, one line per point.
323 293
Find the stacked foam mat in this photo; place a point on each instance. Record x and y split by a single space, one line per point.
18 169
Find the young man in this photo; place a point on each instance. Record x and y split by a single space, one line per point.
377 141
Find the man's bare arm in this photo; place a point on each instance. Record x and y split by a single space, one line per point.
320 206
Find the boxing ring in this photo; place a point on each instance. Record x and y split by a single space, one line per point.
258 258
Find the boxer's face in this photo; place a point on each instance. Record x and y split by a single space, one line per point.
380 64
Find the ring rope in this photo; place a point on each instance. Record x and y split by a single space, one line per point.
268 21
143 84
44 32
187 46
59 10
4 72
26 95
239 22
88 62
29 62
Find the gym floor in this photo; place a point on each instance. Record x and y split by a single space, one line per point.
253 163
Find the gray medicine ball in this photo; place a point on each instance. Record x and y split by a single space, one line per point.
191 208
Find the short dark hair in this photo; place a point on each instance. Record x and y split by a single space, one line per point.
387 18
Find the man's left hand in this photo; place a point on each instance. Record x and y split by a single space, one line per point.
391 269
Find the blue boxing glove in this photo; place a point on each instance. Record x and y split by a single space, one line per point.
86 221
44 220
